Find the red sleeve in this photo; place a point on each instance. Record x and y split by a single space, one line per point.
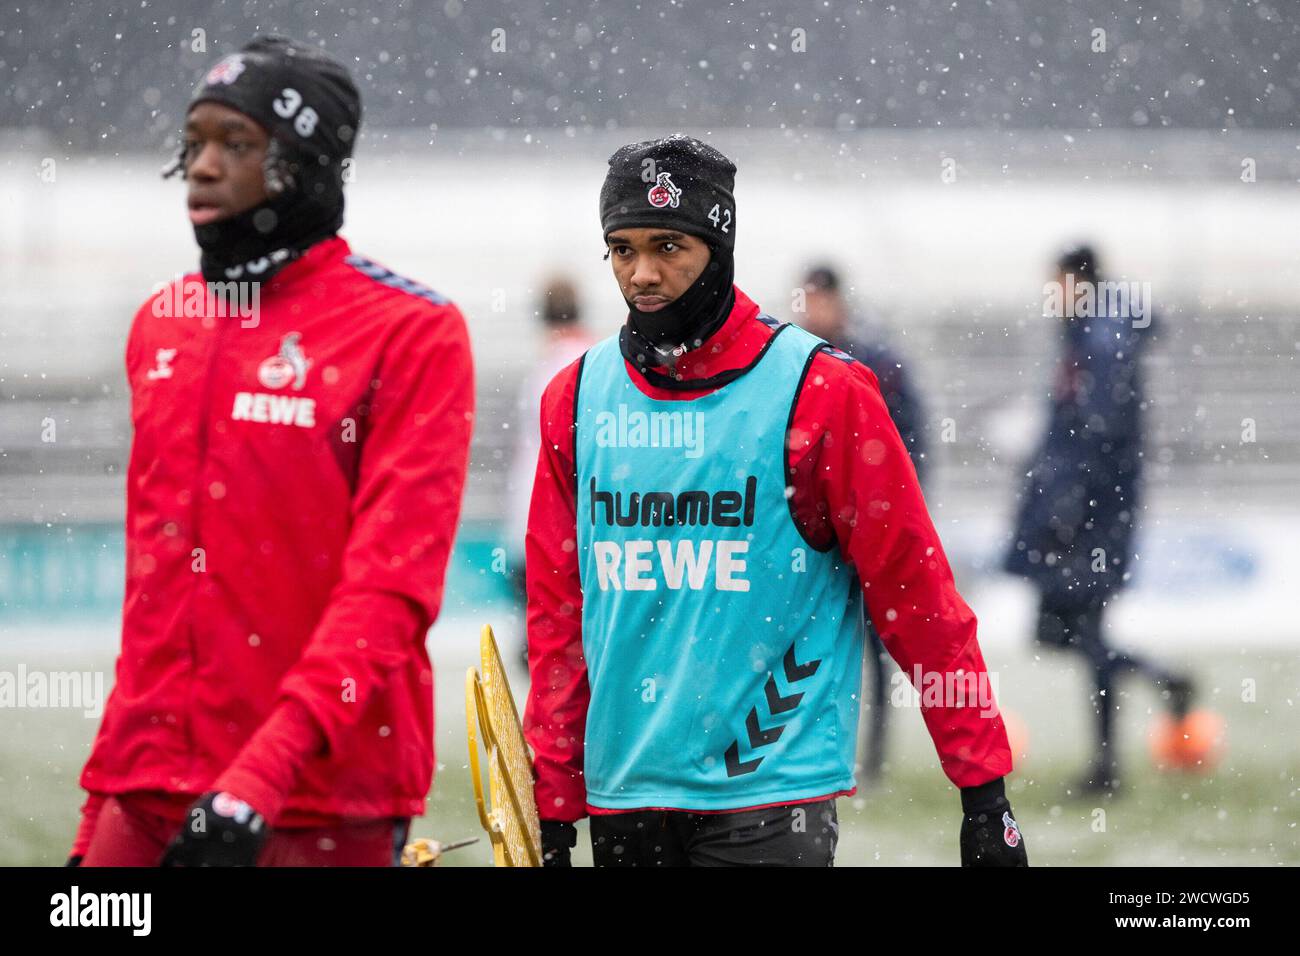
405 508
267 767
555 718
86 828
855 486
95 801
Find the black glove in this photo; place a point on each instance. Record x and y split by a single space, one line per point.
557 840
990 835
219 830
73 861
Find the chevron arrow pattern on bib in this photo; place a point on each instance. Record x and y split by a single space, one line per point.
777 704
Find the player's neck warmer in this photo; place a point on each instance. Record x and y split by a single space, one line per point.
260 242
661 337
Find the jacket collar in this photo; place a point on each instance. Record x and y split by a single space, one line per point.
316 257
723 356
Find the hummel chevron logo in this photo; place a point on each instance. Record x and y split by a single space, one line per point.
776 704
734 767
794 671
758 737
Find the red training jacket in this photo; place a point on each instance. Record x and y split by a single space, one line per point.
292 496
854 486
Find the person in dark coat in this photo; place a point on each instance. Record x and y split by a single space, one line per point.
829 315
1079 503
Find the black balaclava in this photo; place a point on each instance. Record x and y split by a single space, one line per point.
311 109
677 183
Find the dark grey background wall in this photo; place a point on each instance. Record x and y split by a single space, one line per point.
117 74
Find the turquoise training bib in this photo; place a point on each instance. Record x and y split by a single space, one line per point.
724 653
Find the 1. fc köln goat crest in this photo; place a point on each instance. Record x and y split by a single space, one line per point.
227 71
664 193
1010 830
290 365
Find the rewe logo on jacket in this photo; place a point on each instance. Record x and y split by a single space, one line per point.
633 564
287 367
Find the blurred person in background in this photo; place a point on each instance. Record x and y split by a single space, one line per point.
1078 507
293 490
829 315
565 339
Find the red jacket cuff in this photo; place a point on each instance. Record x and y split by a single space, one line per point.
266 770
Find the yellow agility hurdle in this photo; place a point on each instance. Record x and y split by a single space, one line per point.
509 814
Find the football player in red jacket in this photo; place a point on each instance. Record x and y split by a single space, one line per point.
302 419
695 649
